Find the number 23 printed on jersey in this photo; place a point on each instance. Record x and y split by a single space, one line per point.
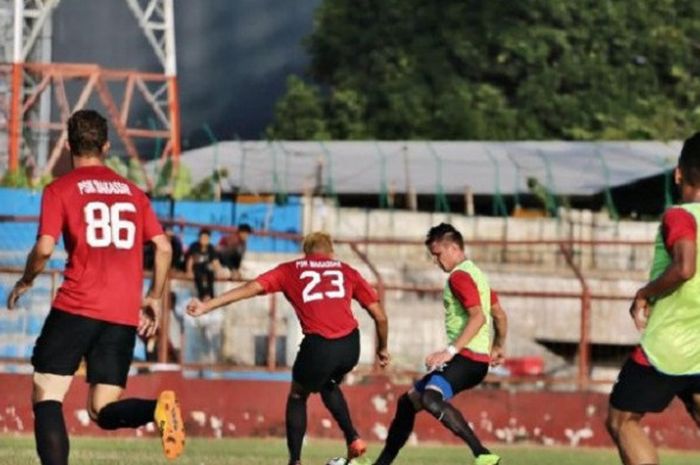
337 281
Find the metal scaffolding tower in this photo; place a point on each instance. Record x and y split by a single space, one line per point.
30 83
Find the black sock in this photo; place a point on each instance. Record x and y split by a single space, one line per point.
50 433
334 401
399 431
126 413
296 425
454 421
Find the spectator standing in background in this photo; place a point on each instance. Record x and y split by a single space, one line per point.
202 261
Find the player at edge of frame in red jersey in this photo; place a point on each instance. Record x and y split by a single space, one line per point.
105 221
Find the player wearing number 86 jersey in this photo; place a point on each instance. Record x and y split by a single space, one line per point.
321 289
105 220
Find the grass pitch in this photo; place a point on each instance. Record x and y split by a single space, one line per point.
120 451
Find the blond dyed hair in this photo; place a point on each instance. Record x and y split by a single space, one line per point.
318 242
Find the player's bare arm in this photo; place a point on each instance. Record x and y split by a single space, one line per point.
250 289
381 324
681 269
500 327
36 262
152 302
476 321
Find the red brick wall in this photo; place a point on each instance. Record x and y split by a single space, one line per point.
256 408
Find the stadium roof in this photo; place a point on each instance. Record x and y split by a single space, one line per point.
570 168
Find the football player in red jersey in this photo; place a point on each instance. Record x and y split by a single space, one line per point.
104 220
320 289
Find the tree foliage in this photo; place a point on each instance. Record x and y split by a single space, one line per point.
480 69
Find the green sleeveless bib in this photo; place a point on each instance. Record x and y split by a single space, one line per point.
671 339
456 316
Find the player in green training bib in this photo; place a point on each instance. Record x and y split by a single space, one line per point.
667 310
470 307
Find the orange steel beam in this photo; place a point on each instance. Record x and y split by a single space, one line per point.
174 106
15 129
61 98
36 93
54 75
126 102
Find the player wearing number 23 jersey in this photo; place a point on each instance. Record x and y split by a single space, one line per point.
104 220
321 290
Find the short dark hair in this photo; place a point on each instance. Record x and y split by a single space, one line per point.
87 132
245 227
204 231
689 161
444 232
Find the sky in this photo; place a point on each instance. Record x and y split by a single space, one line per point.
233 55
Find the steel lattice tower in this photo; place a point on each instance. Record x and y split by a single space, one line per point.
31 85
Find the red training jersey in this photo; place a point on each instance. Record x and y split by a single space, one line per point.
464 288
320 289
105 220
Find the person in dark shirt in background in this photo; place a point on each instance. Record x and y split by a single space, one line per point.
202 262
178 260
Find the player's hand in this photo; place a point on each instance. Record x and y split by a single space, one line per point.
639 310
150 317
383 357
20 288
196 307
437 359
498 355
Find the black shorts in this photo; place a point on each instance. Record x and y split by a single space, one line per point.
322 360
642 389
66 338
459 374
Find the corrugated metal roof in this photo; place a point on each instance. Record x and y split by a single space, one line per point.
571 168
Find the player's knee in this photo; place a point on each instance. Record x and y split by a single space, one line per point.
95 407
617 420
94 411
297 392
432 402
405 403
329 387
414 397
612 424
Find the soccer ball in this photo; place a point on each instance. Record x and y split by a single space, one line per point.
337 461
